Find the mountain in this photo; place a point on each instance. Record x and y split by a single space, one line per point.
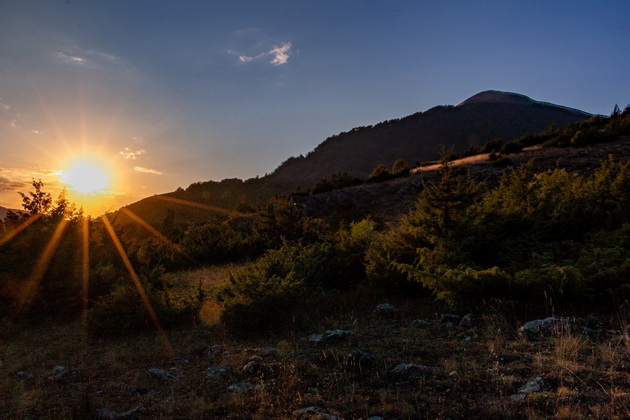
485 116
3 212
418 137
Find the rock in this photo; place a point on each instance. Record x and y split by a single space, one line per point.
335 335
359 359
386 309
329 337
463 337
179 361
254 367
105 414
245 387
221 372
449 319
59 373
421 323
536 385
24 375
158 374
214 350
314 413
314 338
466 321
376 418
540 327
409 369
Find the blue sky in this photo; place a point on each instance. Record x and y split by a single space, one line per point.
169 93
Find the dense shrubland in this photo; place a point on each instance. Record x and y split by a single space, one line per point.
532 237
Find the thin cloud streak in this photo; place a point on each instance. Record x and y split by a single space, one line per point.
147 170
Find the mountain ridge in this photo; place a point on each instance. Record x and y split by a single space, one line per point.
417 137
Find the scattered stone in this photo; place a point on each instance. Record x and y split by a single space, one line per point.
359 359
59 373
245 387
221 372
175 373
536 385
466 321
409 370
179 361
329 337
214 350
386 309
449 320
105 414
158 374
453 373
540 327
24 375
267 351
376 418
420 322
335 335
314 413
255 367
463 337
314 338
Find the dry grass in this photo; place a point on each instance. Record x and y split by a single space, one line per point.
588 377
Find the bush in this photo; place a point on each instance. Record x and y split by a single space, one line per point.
123 312
272 291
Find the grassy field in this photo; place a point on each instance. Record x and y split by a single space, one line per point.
471 372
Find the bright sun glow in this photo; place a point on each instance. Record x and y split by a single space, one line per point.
86 177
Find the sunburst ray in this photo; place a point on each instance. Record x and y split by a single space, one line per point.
136 281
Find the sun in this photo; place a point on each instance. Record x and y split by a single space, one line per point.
86 177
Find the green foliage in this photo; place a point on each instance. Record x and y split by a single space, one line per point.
534 235
340 180
401 167
123 312
274 290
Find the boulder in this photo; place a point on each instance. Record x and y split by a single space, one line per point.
159 374
314 413
220 372
536 385
134 413
466 321
406 370
359 359
386 309
59 373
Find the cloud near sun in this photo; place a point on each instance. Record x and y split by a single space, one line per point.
146 170
129 154
280 55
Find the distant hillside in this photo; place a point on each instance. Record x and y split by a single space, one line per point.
415 138
418 137
4 210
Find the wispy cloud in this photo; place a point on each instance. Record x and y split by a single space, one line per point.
71 58
7 184
89 58
130 154
147 170
280 55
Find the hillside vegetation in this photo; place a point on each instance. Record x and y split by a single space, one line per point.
354 154
527 243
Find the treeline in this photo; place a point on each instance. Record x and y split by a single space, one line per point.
533 236
597 129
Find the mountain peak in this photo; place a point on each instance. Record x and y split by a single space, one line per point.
495 96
